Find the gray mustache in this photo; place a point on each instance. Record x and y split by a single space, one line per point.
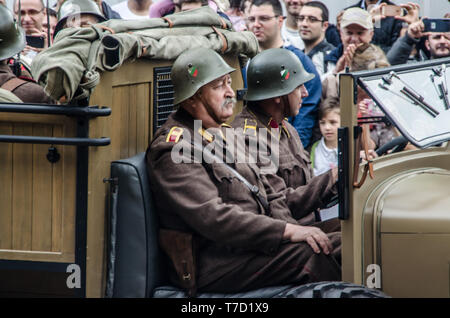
227 101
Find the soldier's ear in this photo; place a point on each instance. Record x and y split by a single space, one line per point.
277 100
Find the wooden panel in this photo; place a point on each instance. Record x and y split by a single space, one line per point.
132 117
41 236
22 190
57 193
133 102
143 119
37 222
120 103
5 189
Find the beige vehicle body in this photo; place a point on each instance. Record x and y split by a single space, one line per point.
396 226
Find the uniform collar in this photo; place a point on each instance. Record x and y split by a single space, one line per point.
183 117
4 68
268 122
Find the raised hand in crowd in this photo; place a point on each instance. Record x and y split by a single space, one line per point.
416 30
412 13
37 33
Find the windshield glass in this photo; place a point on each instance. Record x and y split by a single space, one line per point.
415 100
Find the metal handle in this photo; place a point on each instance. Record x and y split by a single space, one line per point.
94 142
92 111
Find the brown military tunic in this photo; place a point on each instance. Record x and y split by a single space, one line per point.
27 91
240 245
294 177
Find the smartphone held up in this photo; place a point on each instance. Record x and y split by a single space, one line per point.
436 25
392 11
35 41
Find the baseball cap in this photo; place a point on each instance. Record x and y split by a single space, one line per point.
357 16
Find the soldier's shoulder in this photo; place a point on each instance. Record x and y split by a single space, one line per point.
168 136
246 123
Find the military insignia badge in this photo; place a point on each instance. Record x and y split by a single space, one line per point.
250 127
285 74
193 71
174 134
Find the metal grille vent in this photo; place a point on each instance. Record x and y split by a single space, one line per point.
162 96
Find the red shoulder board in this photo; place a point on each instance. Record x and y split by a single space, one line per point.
174 134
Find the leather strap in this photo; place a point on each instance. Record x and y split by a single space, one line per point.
12 84
222 37
168 21
105 28
363 139
224 24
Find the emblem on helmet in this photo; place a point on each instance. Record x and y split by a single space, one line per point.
193 71
285 74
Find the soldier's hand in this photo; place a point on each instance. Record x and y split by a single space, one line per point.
314 236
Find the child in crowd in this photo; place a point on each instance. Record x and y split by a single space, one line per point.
324 155
324 151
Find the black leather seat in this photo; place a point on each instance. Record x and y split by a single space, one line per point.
135 262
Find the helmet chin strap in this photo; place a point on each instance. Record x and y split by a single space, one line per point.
286 106
209 110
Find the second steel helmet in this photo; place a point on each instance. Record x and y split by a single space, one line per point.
12 37
195 68
274 73
72 8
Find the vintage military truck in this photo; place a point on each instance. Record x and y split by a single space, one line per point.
76 214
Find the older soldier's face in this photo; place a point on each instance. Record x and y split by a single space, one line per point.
295 99
218 99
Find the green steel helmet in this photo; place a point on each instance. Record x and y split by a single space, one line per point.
12 37
72 8
274 73
194 69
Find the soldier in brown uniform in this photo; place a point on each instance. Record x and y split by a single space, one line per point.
274 94
243 238
12 41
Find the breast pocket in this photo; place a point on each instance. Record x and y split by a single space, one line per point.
231 190
295 172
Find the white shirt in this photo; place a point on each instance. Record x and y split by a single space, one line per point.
291 37
324 160
125 12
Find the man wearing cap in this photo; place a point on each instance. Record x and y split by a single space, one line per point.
356 31
244 234
12 41
387 29
276 88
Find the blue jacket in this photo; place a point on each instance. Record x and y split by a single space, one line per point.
307 116
335 55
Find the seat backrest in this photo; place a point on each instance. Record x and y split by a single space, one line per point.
134 258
